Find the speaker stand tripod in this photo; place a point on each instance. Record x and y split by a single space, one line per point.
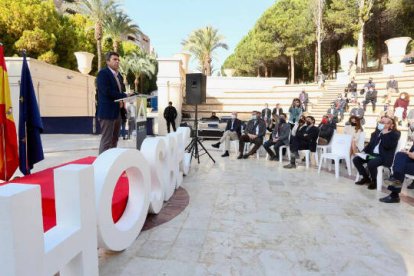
196 142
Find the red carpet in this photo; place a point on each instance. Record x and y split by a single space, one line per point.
45 180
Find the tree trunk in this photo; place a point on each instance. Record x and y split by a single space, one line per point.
115 44
292 69
208 67
379 46
315 71
99 52
360 47
98 38
319 36
126 84
136 82
360 34
266 72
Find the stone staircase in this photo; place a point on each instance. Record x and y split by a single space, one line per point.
244 102
226 101
406 84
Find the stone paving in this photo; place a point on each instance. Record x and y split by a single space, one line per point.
252 217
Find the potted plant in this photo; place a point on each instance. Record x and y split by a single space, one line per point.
396 48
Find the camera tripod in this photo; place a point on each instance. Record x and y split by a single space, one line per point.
196 142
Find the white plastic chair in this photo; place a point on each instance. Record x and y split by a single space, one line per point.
287 147
380 169
247 146
307 157
341 146
324 148
380 172
235 144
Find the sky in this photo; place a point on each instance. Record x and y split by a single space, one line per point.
169 22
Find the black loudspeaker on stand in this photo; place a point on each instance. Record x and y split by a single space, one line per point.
196 94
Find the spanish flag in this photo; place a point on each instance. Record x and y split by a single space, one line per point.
9 159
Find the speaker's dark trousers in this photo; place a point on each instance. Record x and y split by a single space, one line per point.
402 165
372 165
245 138
170 123
276 145
110 133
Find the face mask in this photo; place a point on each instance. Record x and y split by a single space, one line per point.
254 117
282 120
308 123
380 127
353 124
324 121
233 117
402 97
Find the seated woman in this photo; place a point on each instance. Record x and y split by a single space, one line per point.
354 128
326 131
295 111
403 164
400 107
379 152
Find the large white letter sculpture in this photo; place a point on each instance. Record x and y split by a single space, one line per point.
83 198
109 166
155 151
69 247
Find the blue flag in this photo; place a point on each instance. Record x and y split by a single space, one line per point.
30 123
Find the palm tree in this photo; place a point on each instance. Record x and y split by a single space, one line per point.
97 11
141 63
125 67
202 43
118 26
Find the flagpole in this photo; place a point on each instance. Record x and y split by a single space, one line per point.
4 145
4 151
25 141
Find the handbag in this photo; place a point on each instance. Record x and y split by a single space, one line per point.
322 141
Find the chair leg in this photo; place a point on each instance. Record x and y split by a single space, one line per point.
357 177
307 158
348 166
288 152
380 180
336 167
280 154
320 164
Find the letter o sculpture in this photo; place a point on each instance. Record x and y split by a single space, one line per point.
154 150
109 166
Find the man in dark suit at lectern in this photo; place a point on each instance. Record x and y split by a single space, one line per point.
110 88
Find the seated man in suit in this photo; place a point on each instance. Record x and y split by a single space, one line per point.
278 138
358 111
254 133
333 111
370 97
403 164
277 110
305 139
379 152
232 132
